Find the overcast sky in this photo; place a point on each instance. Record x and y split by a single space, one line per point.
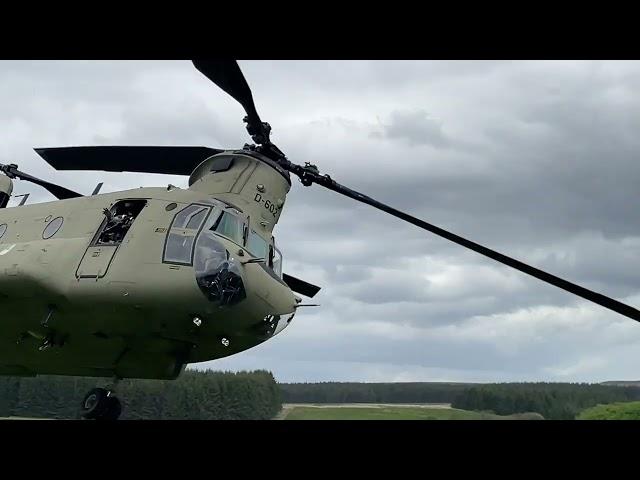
539 160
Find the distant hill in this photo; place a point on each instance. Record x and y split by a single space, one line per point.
622 383
354 392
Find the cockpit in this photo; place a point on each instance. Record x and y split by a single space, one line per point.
194 239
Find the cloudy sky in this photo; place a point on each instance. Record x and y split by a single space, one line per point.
538 160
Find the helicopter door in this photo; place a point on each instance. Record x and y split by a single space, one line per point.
113 230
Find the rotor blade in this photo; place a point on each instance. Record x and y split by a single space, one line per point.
309 176
227 75
167 160
300 286
57 191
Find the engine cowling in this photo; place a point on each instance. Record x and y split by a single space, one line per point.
248 181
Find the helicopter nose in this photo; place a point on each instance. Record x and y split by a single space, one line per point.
276 295
283 323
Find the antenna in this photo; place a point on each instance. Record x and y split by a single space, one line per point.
24 196
97 189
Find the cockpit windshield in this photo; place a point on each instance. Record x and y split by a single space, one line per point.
257 246
231 227
194 239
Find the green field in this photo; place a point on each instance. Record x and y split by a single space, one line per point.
395 413
612 411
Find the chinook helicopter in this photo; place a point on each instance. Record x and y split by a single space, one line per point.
140 283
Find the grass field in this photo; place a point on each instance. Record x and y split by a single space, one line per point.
612 411
387 412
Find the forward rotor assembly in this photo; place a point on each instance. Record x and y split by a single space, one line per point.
228 76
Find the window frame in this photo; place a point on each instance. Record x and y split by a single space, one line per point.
209 210
95 241
196 212
55 228
271 249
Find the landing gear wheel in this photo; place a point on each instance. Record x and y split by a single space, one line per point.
94 404
113 411
100 404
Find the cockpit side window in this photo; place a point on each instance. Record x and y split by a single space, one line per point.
182 235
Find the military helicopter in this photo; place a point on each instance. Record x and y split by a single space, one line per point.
140 283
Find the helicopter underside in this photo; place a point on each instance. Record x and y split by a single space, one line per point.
154 354
87 356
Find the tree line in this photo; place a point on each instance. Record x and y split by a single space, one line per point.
195 395
554 401
210 395
551 400
338 392
612 411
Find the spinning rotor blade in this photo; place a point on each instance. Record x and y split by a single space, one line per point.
300 286
309 174
227 75
56 190
167 160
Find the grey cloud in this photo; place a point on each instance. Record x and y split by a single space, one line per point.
414 127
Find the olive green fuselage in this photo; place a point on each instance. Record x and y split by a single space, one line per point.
70 305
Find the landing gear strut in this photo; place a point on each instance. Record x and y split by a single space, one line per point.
100 404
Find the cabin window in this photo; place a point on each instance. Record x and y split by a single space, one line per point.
257 246
230 226
3 230
52 228
118 220
182 235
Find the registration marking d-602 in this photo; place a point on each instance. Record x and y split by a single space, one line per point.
268 204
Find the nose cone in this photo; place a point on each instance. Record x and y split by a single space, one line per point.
267 287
